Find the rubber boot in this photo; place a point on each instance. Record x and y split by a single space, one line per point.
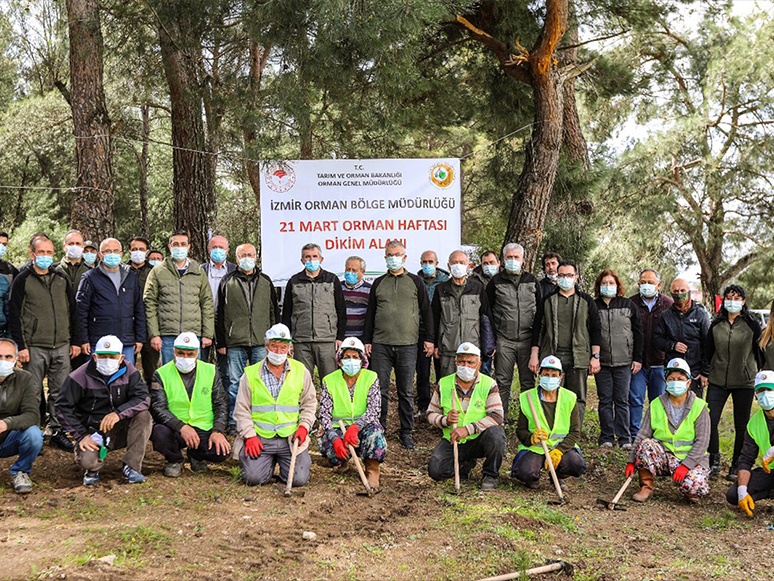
646 484
372 473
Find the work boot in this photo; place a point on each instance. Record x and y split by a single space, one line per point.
714 465
372 473
407 441
732 472
342 468
173 470
198 466
646 484
489 483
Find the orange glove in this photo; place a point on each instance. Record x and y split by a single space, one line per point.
556 457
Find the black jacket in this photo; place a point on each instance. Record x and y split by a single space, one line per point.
546 286
651 356
690 328
160 406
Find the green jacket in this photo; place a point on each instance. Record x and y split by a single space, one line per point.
175 304
142 273
246 309
19 402
733 352
73 272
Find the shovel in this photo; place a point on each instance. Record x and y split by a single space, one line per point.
547 455
548 568
369 491
289 485
456 453
613 505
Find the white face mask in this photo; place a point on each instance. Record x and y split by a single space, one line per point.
74 252
458 270
137 256
185 364
108 366
466 373
6 367
276 358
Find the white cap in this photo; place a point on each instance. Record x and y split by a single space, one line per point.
109 344
764 379
352 343
187 340
677 364
468 349
551 362
278 332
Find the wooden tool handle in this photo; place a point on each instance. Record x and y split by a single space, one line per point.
623 488
289 483
358 465
545 451
456 450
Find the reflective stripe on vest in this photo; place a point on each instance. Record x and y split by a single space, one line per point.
681 442
196 411
276 417
476 405
348 408
565 402
759 431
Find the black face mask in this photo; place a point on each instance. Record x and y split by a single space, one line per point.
681 297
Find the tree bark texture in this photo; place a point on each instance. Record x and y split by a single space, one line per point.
92 203
143 163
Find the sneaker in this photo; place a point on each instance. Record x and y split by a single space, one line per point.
606 445
90 477
61 441
489 483
198 466
407 441
132 475
627 446
173 470
21 483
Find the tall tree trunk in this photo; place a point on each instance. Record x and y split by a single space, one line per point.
92 203
574 142
143 163
193 177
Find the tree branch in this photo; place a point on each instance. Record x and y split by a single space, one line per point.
738 266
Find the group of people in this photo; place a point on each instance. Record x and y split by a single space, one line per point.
82 323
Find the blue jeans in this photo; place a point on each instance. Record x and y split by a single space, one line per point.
650 379
128 352
168 348
238 358
24 443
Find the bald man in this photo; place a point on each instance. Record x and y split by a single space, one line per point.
109 302
681 332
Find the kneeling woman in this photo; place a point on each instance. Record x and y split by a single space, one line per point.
560 426
673 439
352 394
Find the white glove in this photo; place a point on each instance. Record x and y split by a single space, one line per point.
741 492
769 454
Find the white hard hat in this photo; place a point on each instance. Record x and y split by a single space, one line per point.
278 332
552 362
109 345
765 379
677 364
352 343
468 349
187 340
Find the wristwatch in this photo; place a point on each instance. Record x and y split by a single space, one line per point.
595 355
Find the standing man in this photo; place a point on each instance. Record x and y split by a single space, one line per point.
650 379
7 269
178 298
513 297
461 314
550 262
109 302
432 275
138 249
398 315
44 323
315 312
247 308
217 267
681 332
567 326
72 265
89 253
356 292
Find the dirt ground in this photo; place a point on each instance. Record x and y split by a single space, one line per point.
213 527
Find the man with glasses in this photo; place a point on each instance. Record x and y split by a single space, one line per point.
109 302
43 321
398 315
177 299
247 308
567 326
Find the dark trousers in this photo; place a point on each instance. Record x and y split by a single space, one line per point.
574 379
716 401
424 387
489 445
149 362
613 393
402 358
170 444
221 362
761 486
527 465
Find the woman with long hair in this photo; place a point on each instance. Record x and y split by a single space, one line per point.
767 341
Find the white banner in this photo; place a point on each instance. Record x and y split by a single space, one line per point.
353 207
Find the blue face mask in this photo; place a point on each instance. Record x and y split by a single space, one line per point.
351 366
565 283
765 399
608 291
111 260
428 269
394 262
89 257
3 250
312 265
676 388
513 266
489 269
218 255
43 262
350 278
179 253
247 263
733 306
550 383
648 290
154 262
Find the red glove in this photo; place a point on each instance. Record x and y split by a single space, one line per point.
680 473
350 436
340 449
253 447
629 470
301 433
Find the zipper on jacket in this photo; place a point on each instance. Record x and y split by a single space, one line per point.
180 294
314 334
53 309
728 359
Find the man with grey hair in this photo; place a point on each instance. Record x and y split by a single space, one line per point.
513 297
356 292
398 315
315 312
109 302
650 379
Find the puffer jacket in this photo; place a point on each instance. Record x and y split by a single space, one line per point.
621 332
175 304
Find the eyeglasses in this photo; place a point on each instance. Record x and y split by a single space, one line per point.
105 252
565 276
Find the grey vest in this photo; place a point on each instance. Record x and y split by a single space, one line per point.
314 312
513 310
617 348
459 322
